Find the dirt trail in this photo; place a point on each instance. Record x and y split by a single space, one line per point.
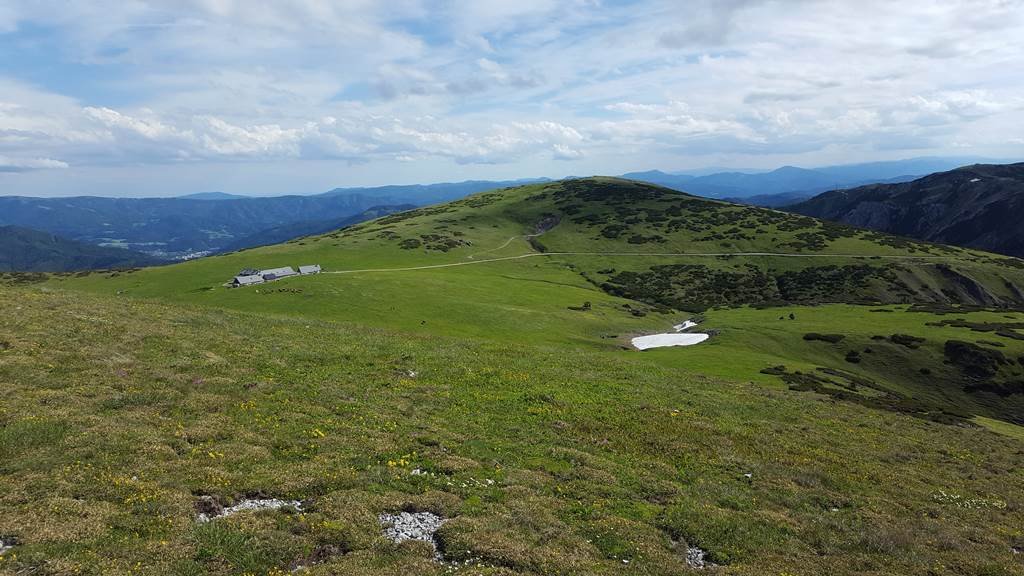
542 227
503 246
546 225
633 255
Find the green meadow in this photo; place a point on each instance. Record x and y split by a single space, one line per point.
857 409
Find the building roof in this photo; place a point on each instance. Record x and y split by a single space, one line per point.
251 279
278 272
309 269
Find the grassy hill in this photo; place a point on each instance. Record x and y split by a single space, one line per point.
279 234
856 410
517 264
639 241
547 459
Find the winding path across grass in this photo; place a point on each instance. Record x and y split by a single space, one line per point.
639 254
507 242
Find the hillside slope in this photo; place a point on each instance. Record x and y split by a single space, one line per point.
594 262
652 244
25 250
656 245
473 360
977 206
287 232
124 417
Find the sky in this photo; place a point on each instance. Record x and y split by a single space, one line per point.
166 97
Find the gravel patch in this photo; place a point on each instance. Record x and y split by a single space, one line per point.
209 509
696 558
419 526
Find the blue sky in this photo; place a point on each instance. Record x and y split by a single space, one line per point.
163 97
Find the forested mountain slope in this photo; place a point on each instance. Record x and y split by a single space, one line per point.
978 206
25 250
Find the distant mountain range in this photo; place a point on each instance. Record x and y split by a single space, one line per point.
740 184
212 196
25 250
781 199
205 223
979 206
433 193
213 222
790 184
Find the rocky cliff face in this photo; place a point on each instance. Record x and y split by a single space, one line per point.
978 206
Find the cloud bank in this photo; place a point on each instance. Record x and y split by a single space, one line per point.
362 92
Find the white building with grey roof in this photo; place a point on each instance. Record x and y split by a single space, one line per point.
248 280
277 273
250 277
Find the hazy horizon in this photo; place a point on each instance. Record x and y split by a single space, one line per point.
694 171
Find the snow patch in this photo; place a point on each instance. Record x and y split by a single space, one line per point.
677 339
973 180
665 340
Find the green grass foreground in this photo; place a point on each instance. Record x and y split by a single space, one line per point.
117 413
858 409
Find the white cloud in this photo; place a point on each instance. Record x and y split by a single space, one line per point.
496 144
438 86
148 137
949 107
563 152
672 124
149 128
700 23
8 164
